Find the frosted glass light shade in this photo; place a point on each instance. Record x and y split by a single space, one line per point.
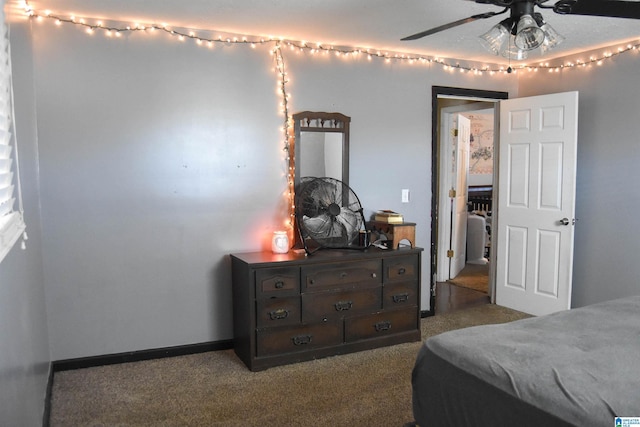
512 51
552 37
528 35
493 39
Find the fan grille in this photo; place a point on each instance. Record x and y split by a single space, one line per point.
328 212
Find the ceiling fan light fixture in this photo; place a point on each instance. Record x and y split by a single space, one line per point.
528 26
495 38
528 35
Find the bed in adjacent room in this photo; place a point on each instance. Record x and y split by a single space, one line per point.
579 367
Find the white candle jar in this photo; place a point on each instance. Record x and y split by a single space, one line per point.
280 242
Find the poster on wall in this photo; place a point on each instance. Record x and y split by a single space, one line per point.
481 147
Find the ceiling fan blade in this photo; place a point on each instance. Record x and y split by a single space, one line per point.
610 8
454 24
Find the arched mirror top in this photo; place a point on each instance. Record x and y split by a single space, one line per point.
321 145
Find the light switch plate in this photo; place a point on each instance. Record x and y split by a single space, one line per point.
405 196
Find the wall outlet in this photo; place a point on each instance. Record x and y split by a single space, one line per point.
405 196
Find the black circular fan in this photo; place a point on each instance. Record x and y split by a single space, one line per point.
328 212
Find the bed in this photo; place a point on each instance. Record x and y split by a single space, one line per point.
579 367
480 198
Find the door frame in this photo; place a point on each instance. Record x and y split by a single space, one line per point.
444 183
437 91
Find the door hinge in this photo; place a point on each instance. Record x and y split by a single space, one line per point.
449 253
454 132
452 193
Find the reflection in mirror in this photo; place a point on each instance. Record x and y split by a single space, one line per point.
320 154
321 145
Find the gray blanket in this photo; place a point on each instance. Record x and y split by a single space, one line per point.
580 366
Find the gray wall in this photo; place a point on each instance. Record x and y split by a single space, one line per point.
24 342
607 240
159 158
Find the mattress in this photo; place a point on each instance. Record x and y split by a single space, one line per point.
579 367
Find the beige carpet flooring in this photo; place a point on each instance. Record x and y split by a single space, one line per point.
369 388
473 276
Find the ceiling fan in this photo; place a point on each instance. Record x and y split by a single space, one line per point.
525 29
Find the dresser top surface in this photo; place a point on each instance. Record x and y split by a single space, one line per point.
268 257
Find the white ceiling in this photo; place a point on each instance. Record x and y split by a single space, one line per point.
378 24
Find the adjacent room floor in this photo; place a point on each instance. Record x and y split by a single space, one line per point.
469 288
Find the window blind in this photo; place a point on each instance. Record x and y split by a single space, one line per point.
11 216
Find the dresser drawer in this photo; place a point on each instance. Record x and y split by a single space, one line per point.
322 306
399 295
401 268
380 324
363 273
275 341
278 311
281 281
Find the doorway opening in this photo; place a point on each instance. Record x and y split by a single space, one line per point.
461 201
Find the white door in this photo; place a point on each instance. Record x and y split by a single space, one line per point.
460 197
536 202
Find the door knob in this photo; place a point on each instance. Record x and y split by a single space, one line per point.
564 221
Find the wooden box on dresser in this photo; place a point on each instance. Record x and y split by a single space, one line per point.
290 307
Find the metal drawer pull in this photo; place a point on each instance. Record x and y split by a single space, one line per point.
401 270
279 284
374 275
343 305
279 314
343 275
301 339
400 298
383 326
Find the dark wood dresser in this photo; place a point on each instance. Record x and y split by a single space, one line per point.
290 307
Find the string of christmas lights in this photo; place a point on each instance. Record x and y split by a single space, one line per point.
314 49
289 137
